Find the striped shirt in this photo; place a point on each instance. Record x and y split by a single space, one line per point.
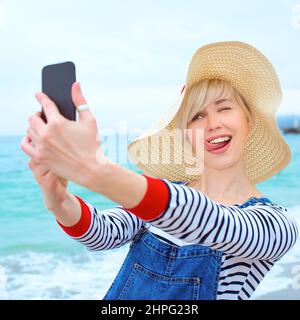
251 236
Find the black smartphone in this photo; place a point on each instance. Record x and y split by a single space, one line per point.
57 80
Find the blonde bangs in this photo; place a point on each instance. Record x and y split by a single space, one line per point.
204 93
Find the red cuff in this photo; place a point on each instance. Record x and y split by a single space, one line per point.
154 202
82 226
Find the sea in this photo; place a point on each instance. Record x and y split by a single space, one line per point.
39 261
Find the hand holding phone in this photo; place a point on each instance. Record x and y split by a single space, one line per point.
57 80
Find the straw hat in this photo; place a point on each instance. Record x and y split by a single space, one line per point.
254 77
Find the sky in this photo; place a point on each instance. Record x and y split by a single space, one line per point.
132 56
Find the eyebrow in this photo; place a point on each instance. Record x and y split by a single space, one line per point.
221 101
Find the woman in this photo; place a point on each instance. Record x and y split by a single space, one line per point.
198 226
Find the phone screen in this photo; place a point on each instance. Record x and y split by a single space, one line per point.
57 80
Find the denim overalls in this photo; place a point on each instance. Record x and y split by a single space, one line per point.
156 270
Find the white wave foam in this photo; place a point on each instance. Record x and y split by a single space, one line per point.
33 275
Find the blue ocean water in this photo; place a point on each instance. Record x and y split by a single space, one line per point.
39 261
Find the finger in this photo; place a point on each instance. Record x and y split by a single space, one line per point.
36 123
37 169
32 135
77 94
78 100
31 164
27 147
50 109
30 139
40 171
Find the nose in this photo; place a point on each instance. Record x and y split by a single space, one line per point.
213 123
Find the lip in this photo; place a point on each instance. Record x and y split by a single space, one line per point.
217 151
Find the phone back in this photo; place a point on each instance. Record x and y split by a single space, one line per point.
57 80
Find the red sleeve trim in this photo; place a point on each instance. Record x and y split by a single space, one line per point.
155 200
82 226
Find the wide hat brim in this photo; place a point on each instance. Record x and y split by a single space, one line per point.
254 77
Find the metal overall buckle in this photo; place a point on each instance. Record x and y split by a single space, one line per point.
139 234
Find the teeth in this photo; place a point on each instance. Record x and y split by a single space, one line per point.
220 140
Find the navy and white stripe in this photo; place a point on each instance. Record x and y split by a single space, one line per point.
110 228
252 238
262 231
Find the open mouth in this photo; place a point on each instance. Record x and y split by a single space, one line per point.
218 147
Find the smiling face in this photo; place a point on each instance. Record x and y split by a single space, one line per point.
221 120
217 108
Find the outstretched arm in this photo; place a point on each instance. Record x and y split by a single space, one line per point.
101 229
263 232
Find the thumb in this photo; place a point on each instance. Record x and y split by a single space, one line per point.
78 100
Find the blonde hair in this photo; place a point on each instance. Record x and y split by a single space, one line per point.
204 93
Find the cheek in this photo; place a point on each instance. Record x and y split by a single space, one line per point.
191 134
238 123
240 130
243 128
195 138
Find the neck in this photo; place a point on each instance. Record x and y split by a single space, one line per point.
228 183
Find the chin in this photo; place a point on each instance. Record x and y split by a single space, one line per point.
221 163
